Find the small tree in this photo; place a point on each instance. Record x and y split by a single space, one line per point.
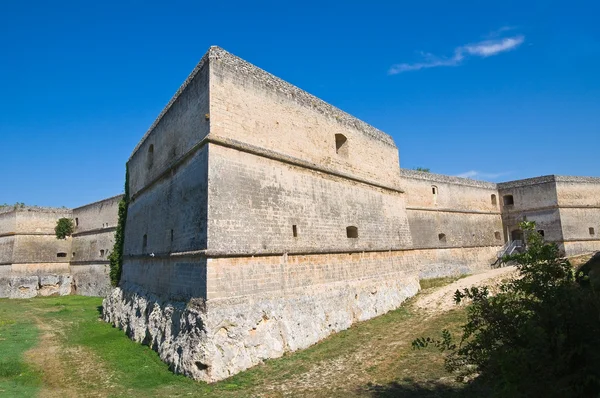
64 227
538 337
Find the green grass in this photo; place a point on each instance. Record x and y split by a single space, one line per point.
17 335
439 282
376 353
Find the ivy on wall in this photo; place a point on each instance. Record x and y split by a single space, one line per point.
116 256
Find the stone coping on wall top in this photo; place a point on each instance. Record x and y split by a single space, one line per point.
34 209
442 178
115 198
274 83
547 179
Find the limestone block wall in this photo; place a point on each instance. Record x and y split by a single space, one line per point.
178 129
259 205
93 241
579 203
254 108
169 219
33 261
450 215
533 199
7 236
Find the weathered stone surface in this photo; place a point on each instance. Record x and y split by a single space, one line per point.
23 287
212 341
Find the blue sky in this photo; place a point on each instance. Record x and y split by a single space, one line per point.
492 90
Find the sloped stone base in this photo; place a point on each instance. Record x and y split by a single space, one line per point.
213 340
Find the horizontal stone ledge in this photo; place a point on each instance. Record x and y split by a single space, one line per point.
254 150
90 262
95 231
446 210
27 234
222 254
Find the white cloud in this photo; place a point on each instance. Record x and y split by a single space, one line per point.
492 47
478 175
481 49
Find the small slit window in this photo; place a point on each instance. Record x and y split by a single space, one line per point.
101 253
172 235
434 190
341 145
73 254
442 238
497 235
592 231
76 222
352 232
541 232
150 159
509 200
144 243
295 231
61 254
494 200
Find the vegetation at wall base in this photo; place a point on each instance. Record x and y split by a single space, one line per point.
64 227
116 256
538 337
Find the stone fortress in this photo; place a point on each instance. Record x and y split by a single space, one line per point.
262 219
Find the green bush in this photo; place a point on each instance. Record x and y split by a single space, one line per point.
538 337
64 227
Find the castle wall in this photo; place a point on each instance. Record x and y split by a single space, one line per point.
172 215
254 202
175 133
535 199
453 213
579 202
92 243
252 107
34 261
7 239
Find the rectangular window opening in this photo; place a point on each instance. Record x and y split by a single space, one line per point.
295 231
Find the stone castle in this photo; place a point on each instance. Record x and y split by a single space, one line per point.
262 219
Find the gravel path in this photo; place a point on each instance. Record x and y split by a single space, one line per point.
442 299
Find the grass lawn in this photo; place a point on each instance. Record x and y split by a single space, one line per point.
57 346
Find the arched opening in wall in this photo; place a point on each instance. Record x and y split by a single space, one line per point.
150 159
144 243
73 255
497 235
494 200
442 238
352 232
434 191
592 231
76 221
341 145
61 254
541 232
295 231
101 253
509 200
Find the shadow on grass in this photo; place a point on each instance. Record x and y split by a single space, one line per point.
415 389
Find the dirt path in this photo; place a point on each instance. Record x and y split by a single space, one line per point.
330 376
66 370
442 299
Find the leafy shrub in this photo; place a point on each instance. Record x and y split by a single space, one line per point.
538 337
64 227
